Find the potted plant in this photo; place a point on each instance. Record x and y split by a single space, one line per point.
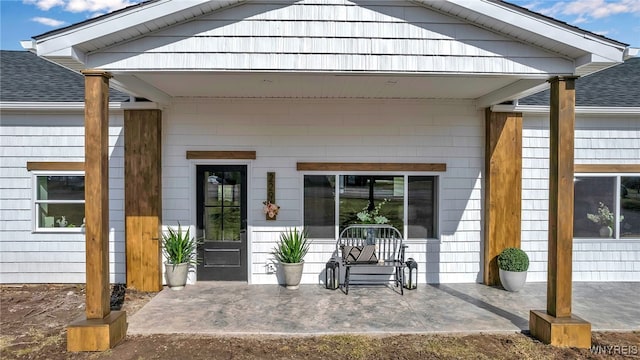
179 249
290 251
513 264
605 218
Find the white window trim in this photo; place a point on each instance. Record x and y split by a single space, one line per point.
35 202
618 181
405 175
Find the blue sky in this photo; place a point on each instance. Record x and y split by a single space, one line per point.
22 19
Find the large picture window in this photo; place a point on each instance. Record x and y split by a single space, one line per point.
398 200
59 201
607 206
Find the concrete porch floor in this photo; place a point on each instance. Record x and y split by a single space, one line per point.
224 308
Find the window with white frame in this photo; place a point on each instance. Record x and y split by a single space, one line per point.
59 201
607 206
335 201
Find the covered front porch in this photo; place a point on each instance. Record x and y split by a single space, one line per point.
226 308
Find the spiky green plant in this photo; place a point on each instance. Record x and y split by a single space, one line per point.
292 247
513 259
179 247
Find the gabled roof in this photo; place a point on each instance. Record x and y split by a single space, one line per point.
515 53
29 78
618 86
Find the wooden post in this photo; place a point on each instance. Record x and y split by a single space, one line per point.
102 329
556 325
503 188
143 198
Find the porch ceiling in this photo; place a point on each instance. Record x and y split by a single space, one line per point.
312 85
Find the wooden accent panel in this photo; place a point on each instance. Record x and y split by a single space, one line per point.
561 147
328 166
97 334
143 198
55 165
96 120
607 168
564 332
234 155
271 192
503 188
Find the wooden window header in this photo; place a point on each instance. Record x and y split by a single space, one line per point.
55 165
203 155
326 166
606 168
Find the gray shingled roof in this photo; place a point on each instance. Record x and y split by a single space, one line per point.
617 86
25 77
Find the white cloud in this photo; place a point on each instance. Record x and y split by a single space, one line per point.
599 9
78 6
585 10
48 21
44 4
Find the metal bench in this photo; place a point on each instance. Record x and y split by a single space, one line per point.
374 248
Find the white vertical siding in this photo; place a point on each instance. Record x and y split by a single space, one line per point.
284 132
598 140
28 257
331 36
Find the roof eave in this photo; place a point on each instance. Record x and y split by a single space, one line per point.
566 39
125 24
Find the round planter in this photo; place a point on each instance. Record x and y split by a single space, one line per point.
512 280
176 275
292 275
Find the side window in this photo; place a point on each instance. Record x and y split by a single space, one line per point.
59 202
606 207
630 206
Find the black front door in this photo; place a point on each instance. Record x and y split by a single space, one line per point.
222 222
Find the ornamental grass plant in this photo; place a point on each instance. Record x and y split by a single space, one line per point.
179 247
292 246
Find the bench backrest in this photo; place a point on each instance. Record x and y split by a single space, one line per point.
387 238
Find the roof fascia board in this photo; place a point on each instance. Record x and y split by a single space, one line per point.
610 50
584 110
60 43
51 106
517 89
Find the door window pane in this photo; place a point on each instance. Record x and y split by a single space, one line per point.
222 196
594 207
630 206
319 206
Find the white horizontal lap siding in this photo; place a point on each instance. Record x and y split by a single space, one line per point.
605 139
28 257
331 37
284 132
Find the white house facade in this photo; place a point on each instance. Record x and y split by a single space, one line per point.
347 104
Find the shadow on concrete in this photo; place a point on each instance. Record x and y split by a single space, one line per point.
521 323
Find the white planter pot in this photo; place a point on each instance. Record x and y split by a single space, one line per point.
176 275
512 280
292 274
606 232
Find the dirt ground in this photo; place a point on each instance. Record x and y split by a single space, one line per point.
33 321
